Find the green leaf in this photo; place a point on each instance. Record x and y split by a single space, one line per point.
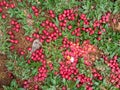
64 81
20 89
13 83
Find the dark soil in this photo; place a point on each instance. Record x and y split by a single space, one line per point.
23 43
4 78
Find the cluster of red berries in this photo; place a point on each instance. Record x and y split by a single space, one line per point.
72 51
5 5
12 37
36 35
84 80
96 74
88 48
26 84
89 87
38 55
97 24
76 32
15 25
42 74
12 47
84 18
68 71
36 87
68 68
20 51
105 18
30 39
76 51
115 71
35 10
51 31
51 13
115 79
67 15
41 37
69 44
89 30
63 24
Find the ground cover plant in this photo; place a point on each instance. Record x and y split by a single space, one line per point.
59 45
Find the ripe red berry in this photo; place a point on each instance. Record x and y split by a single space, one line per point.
36 14
12 5
12 47
22 52
70 27
16 41
10 32
33 7
1 10
3 16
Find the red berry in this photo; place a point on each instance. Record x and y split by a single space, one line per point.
1 10
16 41
12 5
70 27
33 7
10 32
3 16
12 47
